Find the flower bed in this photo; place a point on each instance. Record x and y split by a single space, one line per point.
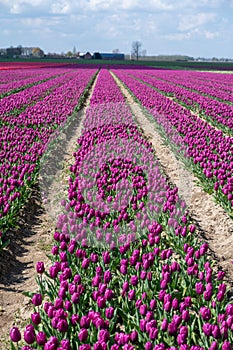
25 137
128 271
219 113
205 150
12 82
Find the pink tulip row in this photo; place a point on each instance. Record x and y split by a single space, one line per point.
15 103
152 288
12 80
219 113
106 82
213 84
25 137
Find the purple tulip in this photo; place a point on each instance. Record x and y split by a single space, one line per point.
134 280
143 309
41 338
35 317
207 329
181 339
107 276
51 344
229 309
74 319
37 299
40 267
109 312
227 346
131 294
85 322
65 343
29 334
85 347
101 302
15 334
62 325
168 306
83 335
205 313
106 257
103 335
185 315
153 304
148 346
134 336
199 288
164 325
85 263
213 346
172 328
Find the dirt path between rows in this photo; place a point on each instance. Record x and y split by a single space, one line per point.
214 224
33 239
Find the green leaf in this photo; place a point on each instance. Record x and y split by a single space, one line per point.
28 294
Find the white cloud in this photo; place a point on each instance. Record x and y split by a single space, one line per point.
60 7
33 22
188 22
211 35
178 36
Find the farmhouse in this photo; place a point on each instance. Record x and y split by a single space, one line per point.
109 56
86 56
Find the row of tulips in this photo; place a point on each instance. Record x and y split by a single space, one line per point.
13 105
218 113
215 85
24 139
127 270
13 81
205 150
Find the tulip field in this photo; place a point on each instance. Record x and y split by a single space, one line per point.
128 269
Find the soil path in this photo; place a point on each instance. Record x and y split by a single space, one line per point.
214 224
32 240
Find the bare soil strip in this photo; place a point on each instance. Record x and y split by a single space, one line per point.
214 224
32 240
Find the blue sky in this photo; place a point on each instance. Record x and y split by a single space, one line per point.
198 28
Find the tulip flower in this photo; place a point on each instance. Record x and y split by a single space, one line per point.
29 334
15 334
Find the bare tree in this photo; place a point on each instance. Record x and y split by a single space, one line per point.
136 49
144 53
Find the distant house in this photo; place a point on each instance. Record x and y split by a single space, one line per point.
109 56
2 52
14 52
37 52
86 56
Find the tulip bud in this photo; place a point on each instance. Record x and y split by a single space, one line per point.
40 267
37 299
41 338
15 334
29 334
83 335
35 317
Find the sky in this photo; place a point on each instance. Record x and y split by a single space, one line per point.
197 28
